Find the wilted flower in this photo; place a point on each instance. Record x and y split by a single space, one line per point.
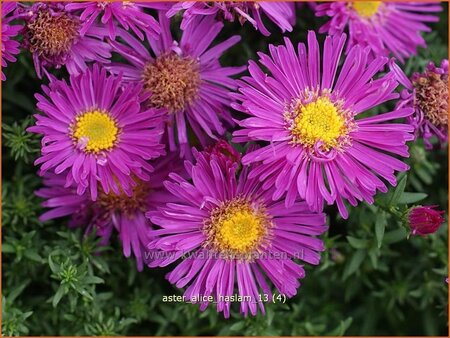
122 212
427 93
385 27
308 112
98 129
281 13
128 14
53 36
223 152
231 232
10 48
185 79
424 220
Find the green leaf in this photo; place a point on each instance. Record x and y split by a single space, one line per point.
17 291
354 263
83 292
55 269
380 226
7 248
424 175
395 236
58 295
93 280
358 243
343 326
237 326
373 255
398 191
412 197
33 256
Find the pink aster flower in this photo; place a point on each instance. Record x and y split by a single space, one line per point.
231 235
425 220
308 112
10 48
53 36
120 212
128 14
386 27
427 93
281 13
185 78
97 130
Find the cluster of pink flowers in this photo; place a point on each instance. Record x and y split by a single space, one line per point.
117 151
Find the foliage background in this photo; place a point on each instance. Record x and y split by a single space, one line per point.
373 280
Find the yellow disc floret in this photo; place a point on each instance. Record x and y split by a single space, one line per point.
317 121
97 129
236 229
366 9
240 231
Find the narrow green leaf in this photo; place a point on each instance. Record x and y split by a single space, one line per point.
58 295
354 263
93 280
380 226
412 197
17 291
357 243
25 315
83 292
395 236
424 175
373 257
34 256
55 269
7 248
343 326
398 191
237 326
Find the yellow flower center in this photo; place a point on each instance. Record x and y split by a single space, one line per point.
240 231
237 230
366 9
319 120
173 81
97 129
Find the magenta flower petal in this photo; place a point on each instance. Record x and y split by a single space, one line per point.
120 212
427 94
281 13
184 78
385 27
127 14
10 47
425 220
53 37
234 238
93 127
308 113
